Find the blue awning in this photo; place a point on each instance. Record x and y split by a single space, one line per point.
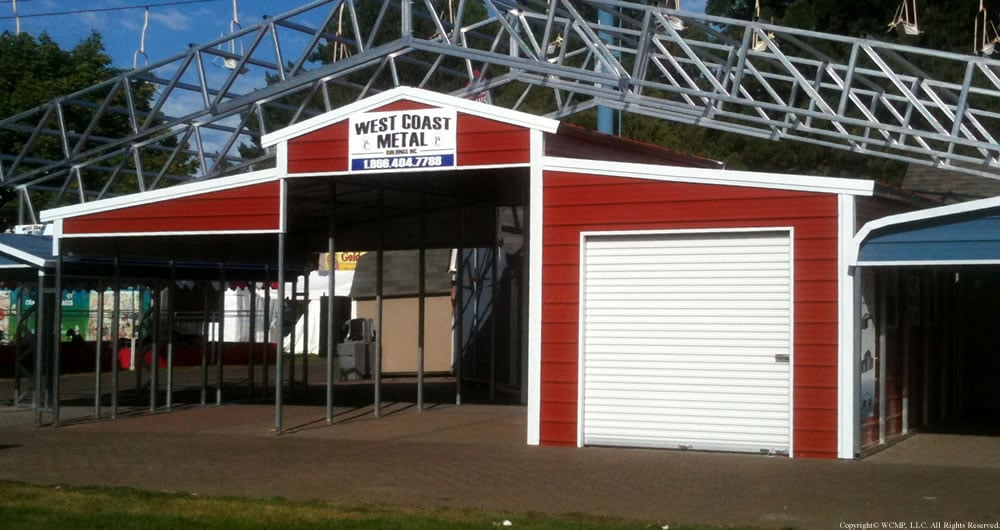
26 250
959 234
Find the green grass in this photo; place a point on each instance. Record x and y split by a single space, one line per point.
30 506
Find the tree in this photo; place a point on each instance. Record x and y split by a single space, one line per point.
36 70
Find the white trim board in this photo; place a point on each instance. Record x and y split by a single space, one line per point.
719 177
90 235
149 197
417 95
535 285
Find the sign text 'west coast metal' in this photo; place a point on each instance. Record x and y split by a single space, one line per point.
403 139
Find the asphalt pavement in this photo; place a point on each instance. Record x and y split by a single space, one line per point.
475 456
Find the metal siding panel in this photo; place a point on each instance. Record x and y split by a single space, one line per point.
680 338
482 141
814 223
320 151
248 208
554 432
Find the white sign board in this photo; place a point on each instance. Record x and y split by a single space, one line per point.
402 139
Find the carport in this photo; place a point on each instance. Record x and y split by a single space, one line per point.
41 284
276 228
928 349
24 260
406 169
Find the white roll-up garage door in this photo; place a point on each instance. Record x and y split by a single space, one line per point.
687 340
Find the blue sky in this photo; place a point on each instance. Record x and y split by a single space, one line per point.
171 28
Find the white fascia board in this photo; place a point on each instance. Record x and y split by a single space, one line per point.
417 95
926 263
919 215
165 233
362 174
720 177
150 197
22 256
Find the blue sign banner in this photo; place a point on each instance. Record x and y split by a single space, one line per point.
403 162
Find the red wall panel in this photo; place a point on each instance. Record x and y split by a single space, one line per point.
574 203
324 150
559 372
489 142
480 141
254 207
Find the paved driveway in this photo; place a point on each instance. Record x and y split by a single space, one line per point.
474 456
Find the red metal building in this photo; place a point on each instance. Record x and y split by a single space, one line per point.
662 300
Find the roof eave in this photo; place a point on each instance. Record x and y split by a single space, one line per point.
417 95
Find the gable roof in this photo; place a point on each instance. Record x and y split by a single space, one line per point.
25 250
188 189
416 95
966 233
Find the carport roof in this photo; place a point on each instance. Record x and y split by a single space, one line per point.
23 255
25 250
239 218
966 233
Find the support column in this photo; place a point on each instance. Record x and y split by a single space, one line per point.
883 363
907 331
252 346
154 346
305 332
205 331
459 309
98 354
422 301
57 338
291 337
279 362
221 342
136 362
331 301
19 365
379 324
171 323
116 317
40 310
494 294
267 332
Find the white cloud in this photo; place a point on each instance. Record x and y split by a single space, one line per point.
92 21
172 18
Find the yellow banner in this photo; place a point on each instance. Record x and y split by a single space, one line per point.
346 261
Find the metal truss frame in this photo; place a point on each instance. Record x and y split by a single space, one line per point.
211 103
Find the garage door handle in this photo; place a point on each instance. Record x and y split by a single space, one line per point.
781 358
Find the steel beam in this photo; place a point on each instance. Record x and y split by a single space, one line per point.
859 94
